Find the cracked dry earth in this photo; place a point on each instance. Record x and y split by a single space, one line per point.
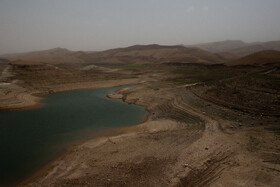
181 144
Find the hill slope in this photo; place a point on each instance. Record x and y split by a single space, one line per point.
258 59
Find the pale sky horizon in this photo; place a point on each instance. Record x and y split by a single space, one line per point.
94 25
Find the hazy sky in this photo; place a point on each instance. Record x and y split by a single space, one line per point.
27 25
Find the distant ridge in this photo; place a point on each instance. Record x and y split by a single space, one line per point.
151 54
3 60
208 53
220 46
128 55
55 55
258 59
238 47
256 47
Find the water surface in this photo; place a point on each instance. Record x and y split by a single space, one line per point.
30 138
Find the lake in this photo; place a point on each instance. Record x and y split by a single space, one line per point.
31 138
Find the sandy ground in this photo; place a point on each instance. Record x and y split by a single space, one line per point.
184 142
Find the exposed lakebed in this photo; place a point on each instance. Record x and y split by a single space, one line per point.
31 138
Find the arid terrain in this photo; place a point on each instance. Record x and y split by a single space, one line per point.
213 119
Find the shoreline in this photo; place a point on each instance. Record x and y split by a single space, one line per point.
104 134
38 103
34 100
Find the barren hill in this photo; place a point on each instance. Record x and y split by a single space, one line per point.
151 54
258 59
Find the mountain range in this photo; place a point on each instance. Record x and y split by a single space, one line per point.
229 52
134 54
238 47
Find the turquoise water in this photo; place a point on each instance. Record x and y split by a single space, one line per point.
31 138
